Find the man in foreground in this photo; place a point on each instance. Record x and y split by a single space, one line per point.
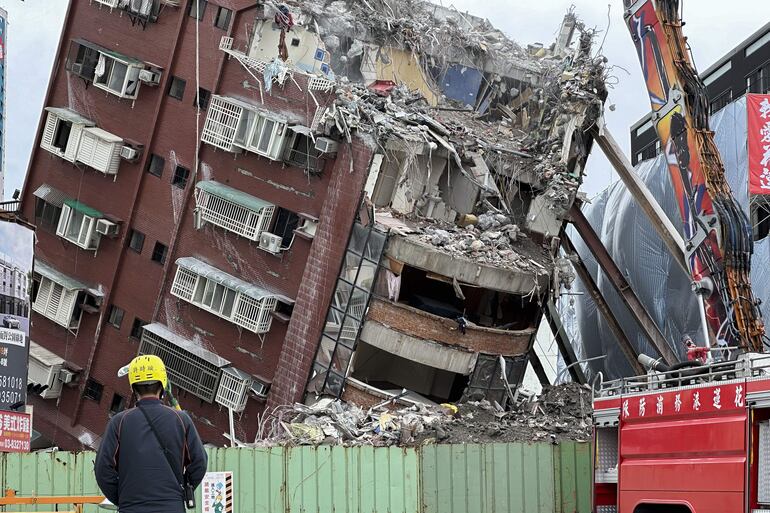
151 458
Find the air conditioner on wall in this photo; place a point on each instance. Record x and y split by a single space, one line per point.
129 153
106 227
66 376
149 77
326 145
270 242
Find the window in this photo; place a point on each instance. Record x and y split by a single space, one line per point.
232 125
159 253
760 216
721 101
115 317
136 241
199 12
224 295
189 366
118 74
302 153
231 209
93 390
176 88
136 328
77 224
202 98
286 222
758 81
46 215
181 175
118 404
222 19
82 59
74 138
55 301
233 391
155 165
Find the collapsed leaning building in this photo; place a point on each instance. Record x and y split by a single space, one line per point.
371 208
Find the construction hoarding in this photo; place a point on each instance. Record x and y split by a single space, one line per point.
462 478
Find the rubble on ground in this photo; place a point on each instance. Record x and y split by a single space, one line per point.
560 413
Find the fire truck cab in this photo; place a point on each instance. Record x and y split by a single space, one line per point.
694 440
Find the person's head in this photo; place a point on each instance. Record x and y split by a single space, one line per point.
147 376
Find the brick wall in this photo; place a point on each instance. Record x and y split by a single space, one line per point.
318 280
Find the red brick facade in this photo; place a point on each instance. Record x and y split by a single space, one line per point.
162 211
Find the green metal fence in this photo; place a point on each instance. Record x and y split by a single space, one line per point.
473 478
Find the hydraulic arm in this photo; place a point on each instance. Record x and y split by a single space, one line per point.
717 232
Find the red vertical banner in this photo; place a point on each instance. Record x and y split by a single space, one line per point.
758 107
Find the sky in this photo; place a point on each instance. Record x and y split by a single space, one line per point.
713 28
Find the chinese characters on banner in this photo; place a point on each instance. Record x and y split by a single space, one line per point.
685 401
15 431
217 492
758 106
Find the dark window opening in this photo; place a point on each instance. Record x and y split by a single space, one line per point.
118 404
303 154
202 98
155 165
284 309
176 88
761 219
758 81
136 328
181 175
435 294
62 134
159 253
222 20
721 101
199 12
136 241
285 223
115 316
46 215
295 41
82 60
93 390
390 373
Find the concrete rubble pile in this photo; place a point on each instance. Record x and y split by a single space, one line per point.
560 413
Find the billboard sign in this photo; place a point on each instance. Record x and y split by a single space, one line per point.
16 257
15 431
758 106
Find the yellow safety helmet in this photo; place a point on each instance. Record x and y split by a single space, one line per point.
147 369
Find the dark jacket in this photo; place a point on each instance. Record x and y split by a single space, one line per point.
131 469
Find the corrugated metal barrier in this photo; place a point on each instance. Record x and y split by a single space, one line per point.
473 478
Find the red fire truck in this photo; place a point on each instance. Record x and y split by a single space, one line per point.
693 440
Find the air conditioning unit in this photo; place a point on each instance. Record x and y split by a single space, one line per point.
109 3
270 242
259 389
149 76
326 145
106 227
77 68
66 376
129 153
44 368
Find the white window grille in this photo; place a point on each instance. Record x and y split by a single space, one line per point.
221 123
232 210
233 389
78 228
223 295
118 75
55 302
62 131
198 373
232 124
109 3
